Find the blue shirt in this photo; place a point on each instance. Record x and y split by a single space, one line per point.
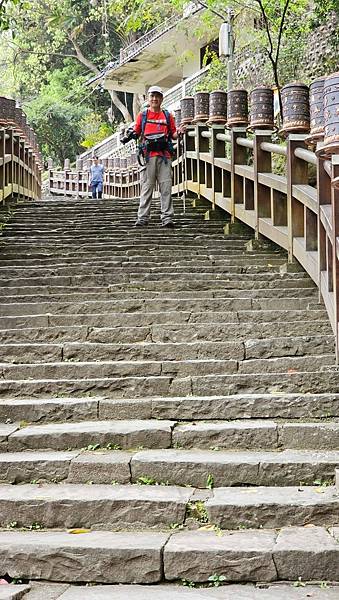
97 173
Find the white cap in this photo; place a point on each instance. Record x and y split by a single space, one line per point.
155 89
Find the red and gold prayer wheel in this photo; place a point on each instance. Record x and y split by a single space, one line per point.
218 107
262 108
237 108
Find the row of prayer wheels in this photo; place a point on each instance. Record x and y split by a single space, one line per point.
310 110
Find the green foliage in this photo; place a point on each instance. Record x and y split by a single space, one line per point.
216 580
56 124
93 130
216 76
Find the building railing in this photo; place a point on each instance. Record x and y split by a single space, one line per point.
233 171
184 88
148 38
20 158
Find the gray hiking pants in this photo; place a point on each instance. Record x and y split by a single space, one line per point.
157 170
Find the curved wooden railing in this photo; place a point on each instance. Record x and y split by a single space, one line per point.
233 170
20 159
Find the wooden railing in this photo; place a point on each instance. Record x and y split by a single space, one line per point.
20 165
297 209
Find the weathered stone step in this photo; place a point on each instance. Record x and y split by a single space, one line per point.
272 507
143 319
197 468
256 434
155 305
102 507
253 555
155 258
200 468
242 434
324 381
155 286
137 368
14 592
279 591
242 406
87 351
120 434
308 293
164 333
131 557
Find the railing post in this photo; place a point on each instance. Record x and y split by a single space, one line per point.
297 173
218 150
262 164
202 145
335 249
238 157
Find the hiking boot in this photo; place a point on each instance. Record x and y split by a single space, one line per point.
169 225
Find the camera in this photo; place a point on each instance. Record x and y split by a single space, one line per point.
129 135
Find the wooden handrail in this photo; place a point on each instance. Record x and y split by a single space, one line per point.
20 166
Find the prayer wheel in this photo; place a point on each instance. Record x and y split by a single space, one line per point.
316 111
201 107
7 112
79 164
262 108
237 108
296 108
187 110
67 164
331 115
218 107
123 163
177 117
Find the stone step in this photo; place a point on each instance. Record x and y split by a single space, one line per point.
69 369
88 351
143 319
197 468
101 507
181 333
292 382
155 305
242 434
200 468
242 556
116 507
264 555
242 406
278 591
272 507
100 556
115 434
307 293
155 286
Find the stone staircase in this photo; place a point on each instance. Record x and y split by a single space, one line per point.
169 408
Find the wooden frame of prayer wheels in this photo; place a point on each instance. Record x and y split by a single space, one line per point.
262 108
237 108
177 117
316 111
187 110
331 115
296 108
218 107
201 107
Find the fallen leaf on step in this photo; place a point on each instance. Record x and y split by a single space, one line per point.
79 531
290 371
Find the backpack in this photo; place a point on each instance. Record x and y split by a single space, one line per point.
156 142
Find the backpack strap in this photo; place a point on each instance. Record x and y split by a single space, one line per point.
143 121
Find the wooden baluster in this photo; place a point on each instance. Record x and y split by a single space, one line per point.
335 249
297 172
238 157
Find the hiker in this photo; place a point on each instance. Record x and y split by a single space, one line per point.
156 129
97 178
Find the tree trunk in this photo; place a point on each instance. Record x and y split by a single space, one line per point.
120 106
